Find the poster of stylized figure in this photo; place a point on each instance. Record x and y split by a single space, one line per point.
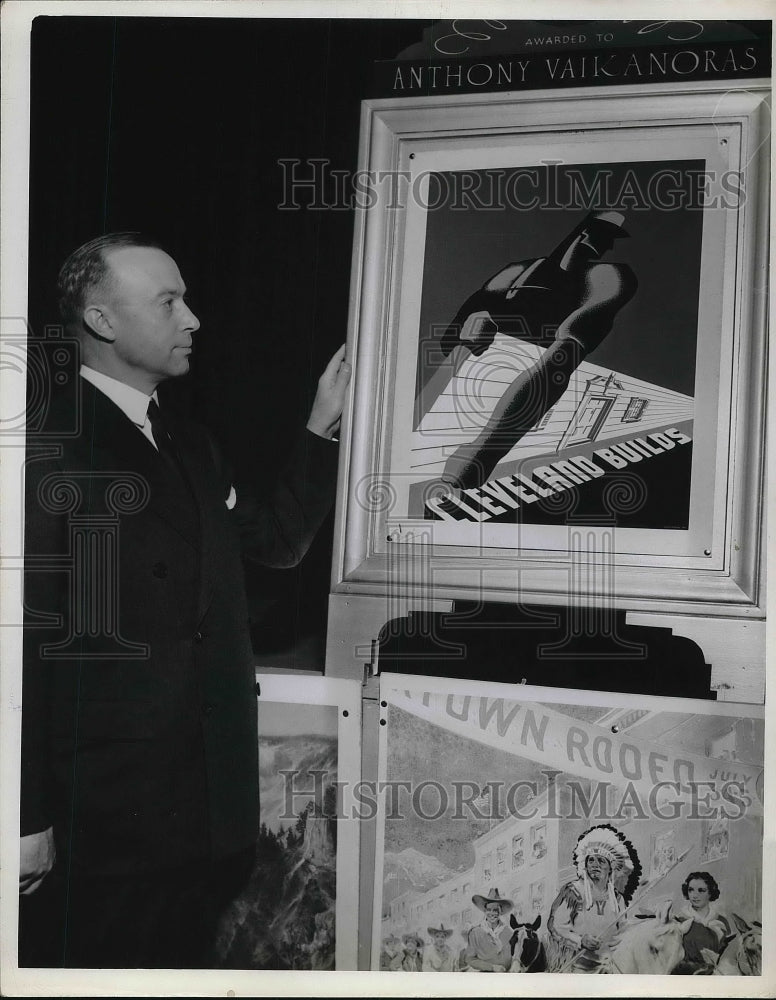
298 910
639 829
571 366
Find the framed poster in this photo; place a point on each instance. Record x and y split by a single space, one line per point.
558 319
644 833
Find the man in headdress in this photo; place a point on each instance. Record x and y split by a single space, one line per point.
489 949
585 910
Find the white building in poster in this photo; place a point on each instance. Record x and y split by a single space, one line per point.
599 406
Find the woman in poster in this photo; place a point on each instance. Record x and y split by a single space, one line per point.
585 911
438 957
709 928
489 949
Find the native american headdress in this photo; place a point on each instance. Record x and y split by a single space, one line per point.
609 843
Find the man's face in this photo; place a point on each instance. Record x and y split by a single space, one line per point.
440 938
151 324
493 912
598 868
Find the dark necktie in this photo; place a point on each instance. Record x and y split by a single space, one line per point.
160 432
166 443
177 477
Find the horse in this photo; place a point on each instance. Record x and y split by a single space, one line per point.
742 954
652 945
528 954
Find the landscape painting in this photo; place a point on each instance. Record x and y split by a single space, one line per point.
285 917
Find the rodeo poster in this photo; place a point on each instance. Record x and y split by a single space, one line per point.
567 832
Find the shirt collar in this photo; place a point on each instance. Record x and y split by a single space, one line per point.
713 914
129 400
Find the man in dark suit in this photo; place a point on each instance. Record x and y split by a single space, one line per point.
139 741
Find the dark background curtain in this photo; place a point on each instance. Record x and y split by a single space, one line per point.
176 127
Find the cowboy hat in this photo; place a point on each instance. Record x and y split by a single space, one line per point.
492 897
412 936
440 930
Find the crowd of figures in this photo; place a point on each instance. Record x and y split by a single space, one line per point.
595 925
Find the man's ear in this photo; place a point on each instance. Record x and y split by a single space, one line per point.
97 321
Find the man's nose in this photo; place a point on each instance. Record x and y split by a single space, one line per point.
190 321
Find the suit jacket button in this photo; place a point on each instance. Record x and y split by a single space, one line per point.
160 570
198 637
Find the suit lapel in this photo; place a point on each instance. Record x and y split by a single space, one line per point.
193 464
113 443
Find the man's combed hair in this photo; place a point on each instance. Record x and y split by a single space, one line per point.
86 268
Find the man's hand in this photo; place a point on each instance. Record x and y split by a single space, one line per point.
590 942
36 860
330 397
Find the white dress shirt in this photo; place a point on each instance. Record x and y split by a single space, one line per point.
130 401
134 404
